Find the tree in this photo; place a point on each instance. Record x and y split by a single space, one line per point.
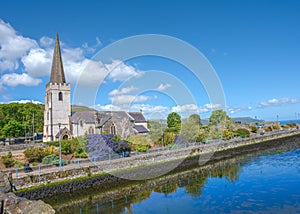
191 128
174 122
221 125
13 129
156 130
195 118
218 117
29 115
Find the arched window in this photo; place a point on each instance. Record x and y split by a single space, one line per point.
91 130
60 96
113 129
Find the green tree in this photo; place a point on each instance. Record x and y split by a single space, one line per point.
13 129
174 122
190 129
218 117
156 130
221 125
29 115
195 118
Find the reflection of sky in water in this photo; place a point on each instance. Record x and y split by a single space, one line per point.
265 184
269 184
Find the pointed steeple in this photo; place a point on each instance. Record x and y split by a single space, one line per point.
57 70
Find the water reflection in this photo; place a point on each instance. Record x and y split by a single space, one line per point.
189 187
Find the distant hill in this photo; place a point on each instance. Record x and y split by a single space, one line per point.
77 108
246 120
205 121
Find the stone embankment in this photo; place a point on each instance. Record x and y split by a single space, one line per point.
121 172
10 203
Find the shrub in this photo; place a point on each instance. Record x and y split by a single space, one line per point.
202 135
49 159
227 134
169 138
80 154
66 147
34 154
253 129
18 164
56 162
50 150
242 133
142 147
276 127
139 142
268 129
8 162
9 154
35 164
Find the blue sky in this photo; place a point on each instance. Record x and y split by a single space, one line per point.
253 46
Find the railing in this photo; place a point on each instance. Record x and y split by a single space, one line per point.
209 145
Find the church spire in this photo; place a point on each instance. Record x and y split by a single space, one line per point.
57 70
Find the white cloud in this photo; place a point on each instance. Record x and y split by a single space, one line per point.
188 108
26 101
192 108
128 99
38 62
13 47
121 91
163 86
233 110
278 102
108 107
119 71
91 49
46 42
148 110
15 79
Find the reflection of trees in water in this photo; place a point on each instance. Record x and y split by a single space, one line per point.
192 181
232 172
194 186
140 196
230 169
123 205
167 188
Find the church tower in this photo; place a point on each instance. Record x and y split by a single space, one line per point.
57 101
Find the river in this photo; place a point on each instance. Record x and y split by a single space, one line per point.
265 182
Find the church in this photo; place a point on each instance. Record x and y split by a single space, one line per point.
60 122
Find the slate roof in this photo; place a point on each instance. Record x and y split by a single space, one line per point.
138 117
103 117
86 116
141 129
57 70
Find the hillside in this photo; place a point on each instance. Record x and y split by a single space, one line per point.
77 108
16 119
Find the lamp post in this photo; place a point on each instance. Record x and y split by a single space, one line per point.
162 137
60 160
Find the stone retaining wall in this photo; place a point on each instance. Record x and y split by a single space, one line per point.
136 167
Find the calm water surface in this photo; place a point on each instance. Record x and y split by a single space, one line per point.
269 183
